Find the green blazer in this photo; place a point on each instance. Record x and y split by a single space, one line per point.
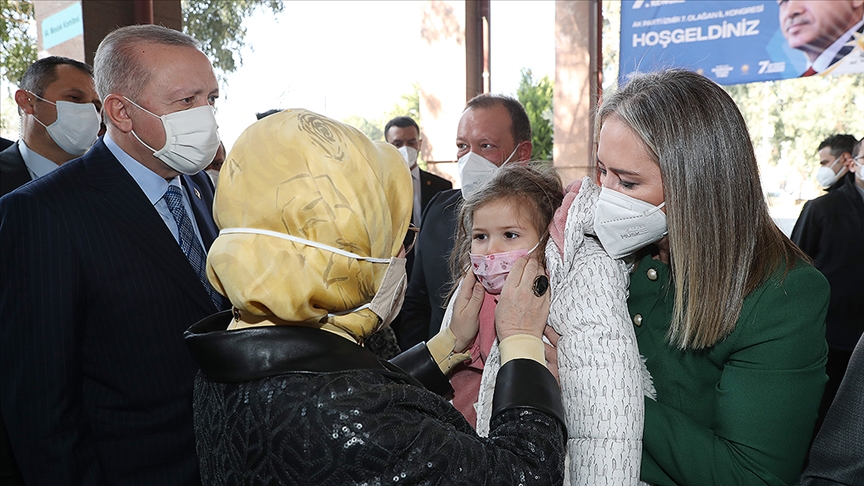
743 411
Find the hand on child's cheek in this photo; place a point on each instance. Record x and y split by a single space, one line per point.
466 311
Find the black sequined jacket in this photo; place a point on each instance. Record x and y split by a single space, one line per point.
297 405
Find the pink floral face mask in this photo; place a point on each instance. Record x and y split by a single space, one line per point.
491 270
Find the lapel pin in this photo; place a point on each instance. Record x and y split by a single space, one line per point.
428 183
197 194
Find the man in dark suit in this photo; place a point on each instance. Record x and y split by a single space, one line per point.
837 455
101 275
59 109
59 93
493 130
403 133
831 231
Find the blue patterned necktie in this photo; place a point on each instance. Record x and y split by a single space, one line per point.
189 242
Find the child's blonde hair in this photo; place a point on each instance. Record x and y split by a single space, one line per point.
533 188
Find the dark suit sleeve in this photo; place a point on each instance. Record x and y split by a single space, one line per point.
837 456
807 230
41 308
412 326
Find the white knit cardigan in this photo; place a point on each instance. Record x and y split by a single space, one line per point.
599 366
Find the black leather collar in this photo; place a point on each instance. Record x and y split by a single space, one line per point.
255 353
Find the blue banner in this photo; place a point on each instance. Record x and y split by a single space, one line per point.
741 41
62 26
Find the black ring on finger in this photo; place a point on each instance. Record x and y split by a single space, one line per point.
541 284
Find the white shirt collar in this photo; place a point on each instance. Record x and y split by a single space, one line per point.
153 185
37 165
823 62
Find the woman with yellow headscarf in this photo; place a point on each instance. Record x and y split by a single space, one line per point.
312 215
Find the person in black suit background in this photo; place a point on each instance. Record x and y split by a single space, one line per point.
837 454
103 270
403 133
59 111
494 130
59 107
830 230
5 143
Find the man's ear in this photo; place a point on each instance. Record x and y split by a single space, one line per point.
24 100
114 111
848 161
524 151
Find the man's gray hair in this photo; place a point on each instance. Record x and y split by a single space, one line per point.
116 65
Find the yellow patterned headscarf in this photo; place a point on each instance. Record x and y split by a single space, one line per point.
302 174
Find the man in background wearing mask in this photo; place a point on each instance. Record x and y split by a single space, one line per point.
493 130
403 133
837 456
102 271
59 111
835 160
831 231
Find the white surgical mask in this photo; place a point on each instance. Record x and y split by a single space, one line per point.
625 224
214 176
409 154
859 169
191 138
475 170
826 176
391 293
76 127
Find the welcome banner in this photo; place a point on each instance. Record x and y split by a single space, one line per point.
741 41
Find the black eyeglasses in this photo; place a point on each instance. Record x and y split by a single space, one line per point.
412 231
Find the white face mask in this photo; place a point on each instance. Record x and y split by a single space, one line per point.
475 170
391 293
826 176
76 127
859 170
214 176
625 224
409 154
191 138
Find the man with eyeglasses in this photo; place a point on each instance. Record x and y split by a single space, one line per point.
831 231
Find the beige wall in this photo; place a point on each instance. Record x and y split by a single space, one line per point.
442 81
576 86
72 48
101 17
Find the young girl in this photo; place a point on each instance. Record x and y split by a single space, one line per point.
516 213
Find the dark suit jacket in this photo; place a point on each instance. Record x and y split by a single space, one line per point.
831 231
837 455
13 171
95 295
423 309
430 184
5 143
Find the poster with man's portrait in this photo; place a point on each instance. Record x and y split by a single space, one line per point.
743 41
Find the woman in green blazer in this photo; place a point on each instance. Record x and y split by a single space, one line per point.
728 312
